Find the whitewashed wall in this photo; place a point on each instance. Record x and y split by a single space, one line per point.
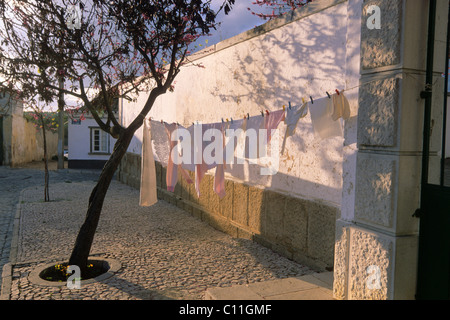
79 141
265 68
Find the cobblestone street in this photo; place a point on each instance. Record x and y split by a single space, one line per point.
164 252
13 180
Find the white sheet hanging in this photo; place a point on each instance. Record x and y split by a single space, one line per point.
321 111
148 194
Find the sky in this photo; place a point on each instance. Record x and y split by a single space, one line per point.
237 21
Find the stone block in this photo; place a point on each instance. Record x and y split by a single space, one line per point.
158 173
382 47
240 203
256 208
220 223
224 206
341 251
163 178
178 187
321 231
371 262
244 234
296 224
184 189
375 189
193 197
378 113
274 216
197 212
205 192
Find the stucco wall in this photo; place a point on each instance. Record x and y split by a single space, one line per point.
251 73
315 50
27 143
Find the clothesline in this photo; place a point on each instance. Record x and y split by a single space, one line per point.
340 91
324 112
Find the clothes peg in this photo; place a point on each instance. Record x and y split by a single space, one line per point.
303 100
311 99
337 91
262 113
284 107
231 120
227 120
290 105
328 95
267 111
248 115
222 120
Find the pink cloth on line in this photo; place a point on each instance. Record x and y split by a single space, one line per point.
172 169
202 167
272 120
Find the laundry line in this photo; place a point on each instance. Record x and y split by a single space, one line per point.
325 114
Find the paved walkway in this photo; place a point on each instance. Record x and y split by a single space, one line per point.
13 180
163 252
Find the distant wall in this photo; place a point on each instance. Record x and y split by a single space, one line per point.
27 143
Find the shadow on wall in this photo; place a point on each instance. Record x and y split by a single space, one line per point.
301 59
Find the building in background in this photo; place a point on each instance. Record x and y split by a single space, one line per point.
20 142
89 147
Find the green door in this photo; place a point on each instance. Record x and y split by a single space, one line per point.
433 281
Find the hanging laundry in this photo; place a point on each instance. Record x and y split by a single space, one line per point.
172 168
219 176
148 193
234 136
160 142
341 107
293 115
202 165
272 120
252 126
321 116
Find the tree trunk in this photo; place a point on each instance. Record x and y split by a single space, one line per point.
44 137
83 243
46 189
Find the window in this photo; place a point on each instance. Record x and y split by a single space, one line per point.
99 141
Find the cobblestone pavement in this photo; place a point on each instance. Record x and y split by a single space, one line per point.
165 253
13 180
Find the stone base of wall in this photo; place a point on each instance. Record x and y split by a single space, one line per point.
301 230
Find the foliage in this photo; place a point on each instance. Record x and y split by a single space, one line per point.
277 8
49 120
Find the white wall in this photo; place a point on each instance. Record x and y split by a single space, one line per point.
306 57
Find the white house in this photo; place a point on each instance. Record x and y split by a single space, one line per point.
89 146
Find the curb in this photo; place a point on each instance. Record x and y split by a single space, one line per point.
5 292
113 267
